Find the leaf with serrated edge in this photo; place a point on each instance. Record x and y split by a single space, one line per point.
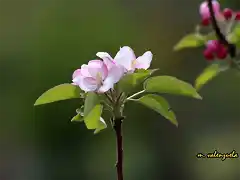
208 74
170 85
58 93
160 105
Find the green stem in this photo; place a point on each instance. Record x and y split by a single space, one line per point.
134 95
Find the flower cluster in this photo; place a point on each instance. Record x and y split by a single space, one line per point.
214 48
101 75
221 15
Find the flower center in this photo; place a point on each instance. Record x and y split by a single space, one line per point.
99 78
134 62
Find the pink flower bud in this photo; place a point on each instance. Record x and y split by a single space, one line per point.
213 45
204 10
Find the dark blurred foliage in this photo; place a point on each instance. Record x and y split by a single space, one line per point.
43 41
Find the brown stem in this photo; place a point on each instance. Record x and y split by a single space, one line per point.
118 130
219 34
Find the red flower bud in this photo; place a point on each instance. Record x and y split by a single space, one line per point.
208 54
205 22
237 16
227 13
222 52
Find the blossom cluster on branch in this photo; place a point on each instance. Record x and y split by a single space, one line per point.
221 43
101 75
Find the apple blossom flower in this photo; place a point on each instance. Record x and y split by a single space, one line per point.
96 76
126 58
204 10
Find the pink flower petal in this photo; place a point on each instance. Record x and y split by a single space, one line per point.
105 87
204 10
76 73
88 84
107 59
124 57
84 71
96 68
144 61
115 74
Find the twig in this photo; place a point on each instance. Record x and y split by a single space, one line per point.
118 130
219 34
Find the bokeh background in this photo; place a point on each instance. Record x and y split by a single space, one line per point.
43 41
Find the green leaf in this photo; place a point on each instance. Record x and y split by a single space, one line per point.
209 73
77 118
236 30
210 36
160 105
93 117
234 37
91 100
58 93
92 110
170 85
190 41
101 125
130 81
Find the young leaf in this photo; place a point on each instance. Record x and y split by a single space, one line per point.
77 118
234 37
58 93
190 41
93 117
101 125
160 105
130 81
170 85
210 36
91 101
236 30
209 73
92 110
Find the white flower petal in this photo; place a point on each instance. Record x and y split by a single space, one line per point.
144 61
115 73
107 84
124 57
87 84
104 55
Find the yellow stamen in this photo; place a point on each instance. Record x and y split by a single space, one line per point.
99 78
134 62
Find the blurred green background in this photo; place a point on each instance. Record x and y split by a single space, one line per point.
43 41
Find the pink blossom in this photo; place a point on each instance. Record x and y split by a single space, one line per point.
126 58
213 45
204 10
215 49
97 76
